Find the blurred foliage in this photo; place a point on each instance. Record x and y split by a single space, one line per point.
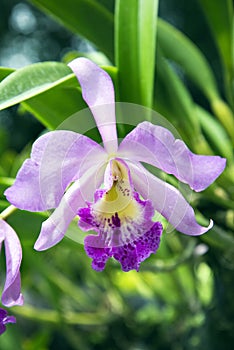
178 59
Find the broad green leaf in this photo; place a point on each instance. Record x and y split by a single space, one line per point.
4 72
31 81
109 4
219 15
174 100
196 67
179 48
85 17
48 90
53 106
135 39
215 133
220 18
147 18
126 52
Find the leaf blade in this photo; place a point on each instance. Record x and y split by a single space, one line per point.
32 80
147 46
4 72
135 34
126 41
188 57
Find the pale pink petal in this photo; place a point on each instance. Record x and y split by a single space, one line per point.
97 90
157 146
57 158
167 200
11 294
55 227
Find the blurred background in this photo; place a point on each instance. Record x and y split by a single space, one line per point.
183 297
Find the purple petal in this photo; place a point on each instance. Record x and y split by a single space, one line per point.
9 319
57 158
54 228
122 220
99 256
118 214
97 90
129 255
3 314
149 242
11 292
157 146
4 319
167 200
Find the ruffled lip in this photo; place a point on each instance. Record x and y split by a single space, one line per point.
117 214
122 220
129 255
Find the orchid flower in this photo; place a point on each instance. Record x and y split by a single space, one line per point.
66 171
4 319
11 292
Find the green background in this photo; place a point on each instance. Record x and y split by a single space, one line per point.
178 59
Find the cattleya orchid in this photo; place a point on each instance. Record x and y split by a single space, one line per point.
4 319
66 171
11 292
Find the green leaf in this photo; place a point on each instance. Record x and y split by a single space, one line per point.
31 81
4 72
220 18
135 39
147 18
215 133
179 48
196 67
126 50
52 107
85 17
48 90
219 15
174 100
109 4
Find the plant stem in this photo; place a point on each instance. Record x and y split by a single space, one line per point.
7 212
